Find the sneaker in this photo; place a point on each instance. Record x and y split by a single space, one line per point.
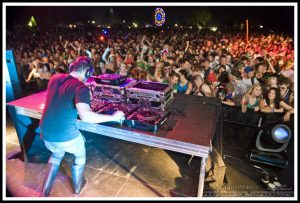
83 185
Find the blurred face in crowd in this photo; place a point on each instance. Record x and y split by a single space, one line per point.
73 53
174 80
211 58
251 74
32 66
186 65
219 52
262 69
182 77
119 61
150 59
272 81
283 88
288 65
181 53
228 59
258 75
45 59
130 56
102 65
32 59
271 94
257 91
229 87
245 62
206 64
223 61
221 69
123 67
96 56
159 66
112 52
196 71
164 56
198 81
39 54
51 64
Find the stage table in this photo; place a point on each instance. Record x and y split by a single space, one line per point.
193 123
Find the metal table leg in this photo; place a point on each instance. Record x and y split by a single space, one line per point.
202 177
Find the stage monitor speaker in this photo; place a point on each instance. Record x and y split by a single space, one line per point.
13 87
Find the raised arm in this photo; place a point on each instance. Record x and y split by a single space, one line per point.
34 72
244 102
157 75
187 46
30 75
271 66
66 44
75 48
266 109
105 54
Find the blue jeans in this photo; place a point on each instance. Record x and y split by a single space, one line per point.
75 147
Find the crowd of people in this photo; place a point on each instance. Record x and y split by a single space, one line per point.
257 75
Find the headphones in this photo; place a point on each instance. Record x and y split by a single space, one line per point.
89 72
71 67
80 62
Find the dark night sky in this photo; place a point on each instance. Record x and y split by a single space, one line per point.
279 18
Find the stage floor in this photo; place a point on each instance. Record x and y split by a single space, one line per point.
117 169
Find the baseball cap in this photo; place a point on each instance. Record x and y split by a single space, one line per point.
248 69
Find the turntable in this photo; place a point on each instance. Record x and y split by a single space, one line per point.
111 91
112 107
110 79
155 94
147 118
98 104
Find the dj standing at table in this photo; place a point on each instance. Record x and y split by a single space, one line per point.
67 95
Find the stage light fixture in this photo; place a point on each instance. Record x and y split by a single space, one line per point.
101 38
280 133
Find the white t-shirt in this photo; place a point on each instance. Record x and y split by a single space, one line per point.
248 82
